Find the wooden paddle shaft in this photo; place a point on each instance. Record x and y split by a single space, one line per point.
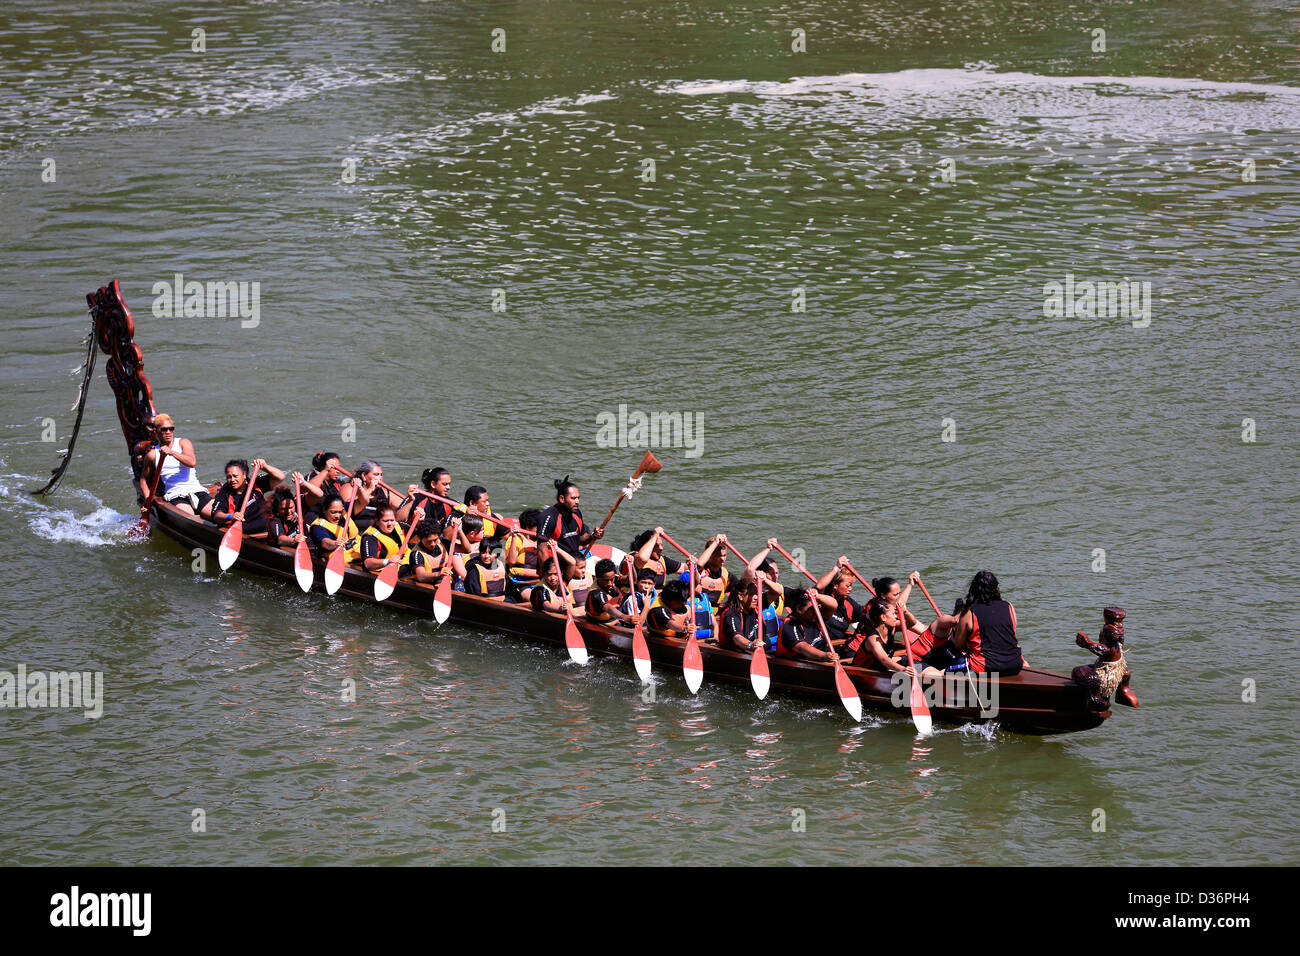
797 566
863 581
648 464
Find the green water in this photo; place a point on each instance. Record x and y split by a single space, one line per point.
920 173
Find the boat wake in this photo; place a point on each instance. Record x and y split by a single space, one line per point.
64 517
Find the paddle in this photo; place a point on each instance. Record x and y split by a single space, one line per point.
797 566
572 638
338 562
861 580
920 710
843 686
442 595
386 579
302 569
937 613
233 539
649 465
640 652
692 662
759 677
141 527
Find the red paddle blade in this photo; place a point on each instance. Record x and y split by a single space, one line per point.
758 675
231 541
302 569
385 582
693 665
140 529
442 600
640 654
921 710
848 693
334 569
574 642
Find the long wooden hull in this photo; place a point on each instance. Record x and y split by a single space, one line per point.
1033 702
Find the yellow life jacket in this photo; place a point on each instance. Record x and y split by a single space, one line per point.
336 532
526 550
489 526
680 618
390 545
489 580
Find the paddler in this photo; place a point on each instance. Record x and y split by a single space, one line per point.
327 532
985 632
602 602
521 556
424 563
485 573
561 525
741 624
283 529
227 502
438 482
668 615
801 634
326 479
715 578
647 551
547 594
381 543
179 484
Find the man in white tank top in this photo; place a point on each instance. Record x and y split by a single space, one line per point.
179 483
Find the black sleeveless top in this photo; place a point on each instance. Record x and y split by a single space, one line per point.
998 641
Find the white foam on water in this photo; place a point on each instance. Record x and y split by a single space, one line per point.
58 521
1023 108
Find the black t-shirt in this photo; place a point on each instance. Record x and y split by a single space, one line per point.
736 623
847 612
229 501
540 596
373 547
564 528
795 631
277 529
661 617
597 599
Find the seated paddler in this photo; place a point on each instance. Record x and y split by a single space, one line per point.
485 573
428 552
229 499
801 634
603 598
547 594
328 533
521 556
669 614
179 484
381 543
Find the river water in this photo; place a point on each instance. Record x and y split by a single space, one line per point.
839 268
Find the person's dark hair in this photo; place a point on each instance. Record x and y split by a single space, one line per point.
239 463
383 510
562 486
328 502
430 476
801 600
876 609
983 590
427 527
319 462
641 539
676 592
279 496
646 574
528 518
471 523
605 566
473 493
882 585
366 467
767 566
